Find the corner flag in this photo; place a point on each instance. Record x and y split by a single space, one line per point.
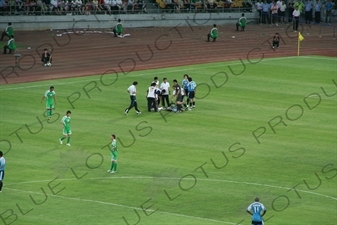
300 38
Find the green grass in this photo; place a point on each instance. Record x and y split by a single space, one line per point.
160 155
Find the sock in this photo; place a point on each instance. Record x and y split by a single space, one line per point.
0 185
190 104
115 167
68 140
112 165
185 105
193 103
62 138
50 112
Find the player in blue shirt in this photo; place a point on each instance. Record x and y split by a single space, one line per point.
184 85
257 210
2 169
191 91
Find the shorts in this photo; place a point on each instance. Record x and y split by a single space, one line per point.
257 223
114 155
66 131
2 175
191 94
180 98
49 106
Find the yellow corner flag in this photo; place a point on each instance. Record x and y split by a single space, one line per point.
300 38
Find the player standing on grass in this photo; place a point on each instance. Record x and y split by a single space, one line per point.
257 210
132 90
66 128
114 154
49 95
191 92
2 169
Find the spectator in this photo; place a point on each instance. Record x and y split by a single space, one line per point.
169 5
107 6
120 5
318 7
283 12
114 7
9 31
296 19
141 5
308 11
265 11
274 14
131 6
54 6
2 6
328 12
258 6
12 7
101 4
95 6
290 10
10 45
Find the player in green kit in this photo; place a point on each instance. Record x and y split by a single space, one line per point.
50 97
213 33
114 154
66 128
118 29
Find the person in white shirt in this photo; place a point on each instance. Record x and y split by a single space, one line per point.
132 90
258 6
283 12
151 97
296 19
165 96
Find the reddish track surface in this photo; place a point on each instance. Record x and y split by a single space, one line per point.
148 48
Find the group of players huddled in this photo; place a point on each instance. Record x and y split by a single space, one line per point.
159 96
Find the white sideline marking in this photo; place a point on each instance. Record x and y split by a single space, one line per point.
142 74
178 178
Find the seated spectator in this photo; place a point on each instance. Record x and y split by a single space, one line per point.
12 7
178 4
187 4
131 5
54 6
241 23
210 4
96 8
10 45
20 5
2 6
107 6
9 31
213 33
46 58
41 6
80 6
169 4
88 7
141 5
120 5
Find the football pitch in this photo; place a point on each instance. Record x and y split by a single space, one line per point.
265 128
